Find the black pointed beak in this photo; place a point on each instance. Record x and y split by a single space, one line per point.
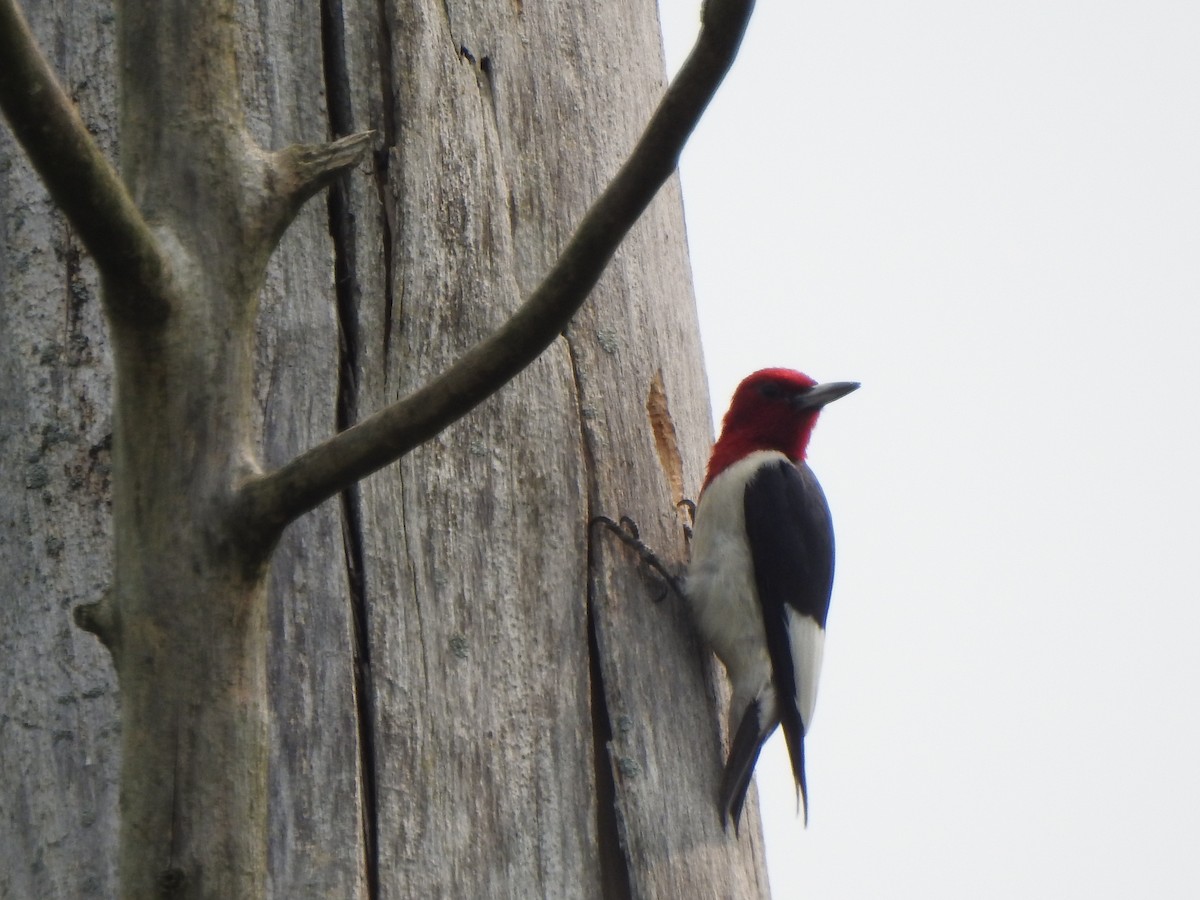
822 394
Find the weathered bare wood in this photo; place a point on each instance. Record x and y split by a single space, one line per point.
663 704
506 737
315 818
58 700
476 597
275 499
503 123
58 719
82 181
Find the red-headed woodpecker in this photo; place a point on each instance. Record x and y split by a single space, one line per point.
761 571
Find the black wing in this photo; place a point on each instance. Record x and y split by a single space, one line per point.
791 542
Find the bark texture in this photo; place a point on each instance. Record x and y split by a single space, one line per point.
460 706
59 733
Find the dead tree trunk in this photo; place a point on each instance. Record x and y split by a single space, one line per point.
458 693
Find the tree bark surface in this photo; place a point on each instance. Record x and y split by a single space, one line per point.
461 707
59 735
503 121
59 724
316 835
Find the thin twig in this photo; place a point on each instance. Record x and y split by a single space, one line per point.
82 182
268 503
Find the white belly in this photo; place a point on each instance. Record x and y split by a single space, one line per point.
720 581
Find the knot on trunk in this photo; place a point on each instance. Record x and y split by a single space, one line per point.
99 619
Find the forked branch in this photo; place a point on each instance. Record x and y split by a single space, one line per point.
269 502
81 181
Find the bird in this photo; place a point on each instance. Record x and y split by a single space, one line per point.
761 571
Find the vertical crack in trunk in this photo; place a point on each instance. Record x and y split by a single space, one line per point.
615 880
346 289
363 689
614 868
383 157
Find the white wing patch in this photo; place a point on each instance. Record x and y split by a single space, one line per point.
807 640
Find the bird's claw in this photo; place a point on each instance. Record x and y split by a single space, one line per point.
626 530
690 505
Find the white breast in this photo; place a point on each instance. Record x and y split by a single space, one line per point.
720 582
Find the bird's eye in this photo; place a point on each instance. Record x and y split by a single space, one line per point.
771 390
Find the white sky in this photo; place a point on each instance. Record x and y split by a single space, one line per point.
988 213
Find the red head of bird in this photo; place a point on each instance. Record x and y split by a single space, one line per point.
773 409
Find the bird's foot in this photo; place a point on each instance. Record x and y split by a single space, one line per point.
690 505
627 531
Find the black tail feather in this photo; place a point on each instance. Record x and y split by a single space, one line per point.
793 733
743 754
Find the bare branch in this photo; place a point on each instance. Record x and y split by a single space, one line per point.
301 170
266 504
81 181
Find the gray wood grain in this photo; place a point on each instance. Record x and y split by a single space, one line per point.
58 719
503 122
521 726
58 701
315 830
477 600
